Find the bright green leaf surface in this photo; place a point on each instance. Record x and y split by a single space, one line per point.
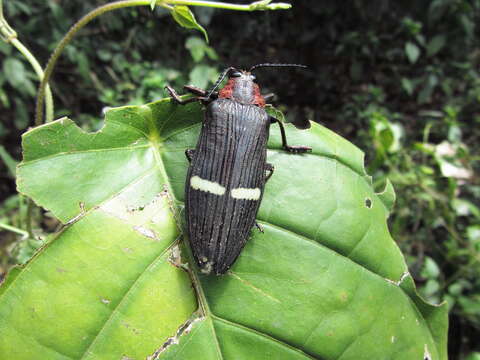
325 280
185 18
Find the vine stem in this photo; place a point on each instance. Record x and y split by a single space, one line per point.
258 5
10 36
66 39
14 230
39 71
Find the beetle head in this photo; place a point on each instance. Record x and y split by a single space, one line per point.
241 75
241 85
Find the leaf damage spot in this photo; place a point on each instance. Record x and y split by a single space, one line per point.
343 296
368 203
81 204
400 281
146 232
175 258
105 301
128 250
184 329
166 194
426 354
131 328
132 209
148 219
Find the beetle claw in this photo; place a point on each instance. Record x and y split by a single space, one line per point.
259 227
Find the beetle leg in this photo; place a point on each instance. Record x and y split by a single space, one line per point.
194 90
271 168
200 92
181 101
259 227
189 154
292 149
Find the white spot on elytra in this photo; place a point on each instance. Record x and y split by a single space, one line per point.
212 187
246 194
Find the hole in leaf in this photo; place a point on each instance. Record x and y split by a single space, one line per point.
368 203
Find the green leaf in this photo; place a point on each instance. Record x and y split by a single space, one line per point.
197 47
184 16
118 281
16 75
8 160
388 196
201 75
408 86
436 44
15 71
431 269
473 356
274 112
412 51
152 4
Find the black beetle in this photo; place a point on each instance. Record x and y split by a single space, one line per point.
228 168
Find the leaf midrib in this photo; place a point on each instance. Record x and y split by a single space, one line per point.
197 285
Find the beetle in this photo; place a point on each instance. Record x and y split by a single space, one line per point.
228 168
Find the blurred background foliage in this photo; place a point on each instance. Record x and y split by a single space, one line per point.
400 79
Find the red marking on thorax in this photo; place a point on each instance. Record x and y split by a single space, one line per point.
259 100
227 93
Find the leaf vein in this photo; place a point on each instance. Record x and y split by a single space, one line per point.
125 295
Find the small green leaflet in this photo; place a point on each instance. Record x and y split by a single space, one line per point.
9 161
412 51
274 112
152 4
184 16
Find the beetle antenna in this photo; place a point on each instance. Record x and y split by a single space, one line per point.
275 65
220 79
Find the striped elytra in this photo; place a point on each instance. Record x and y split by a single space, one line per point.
228 168
229 163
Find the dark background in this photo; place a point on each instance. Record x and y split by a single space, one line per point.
397 78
